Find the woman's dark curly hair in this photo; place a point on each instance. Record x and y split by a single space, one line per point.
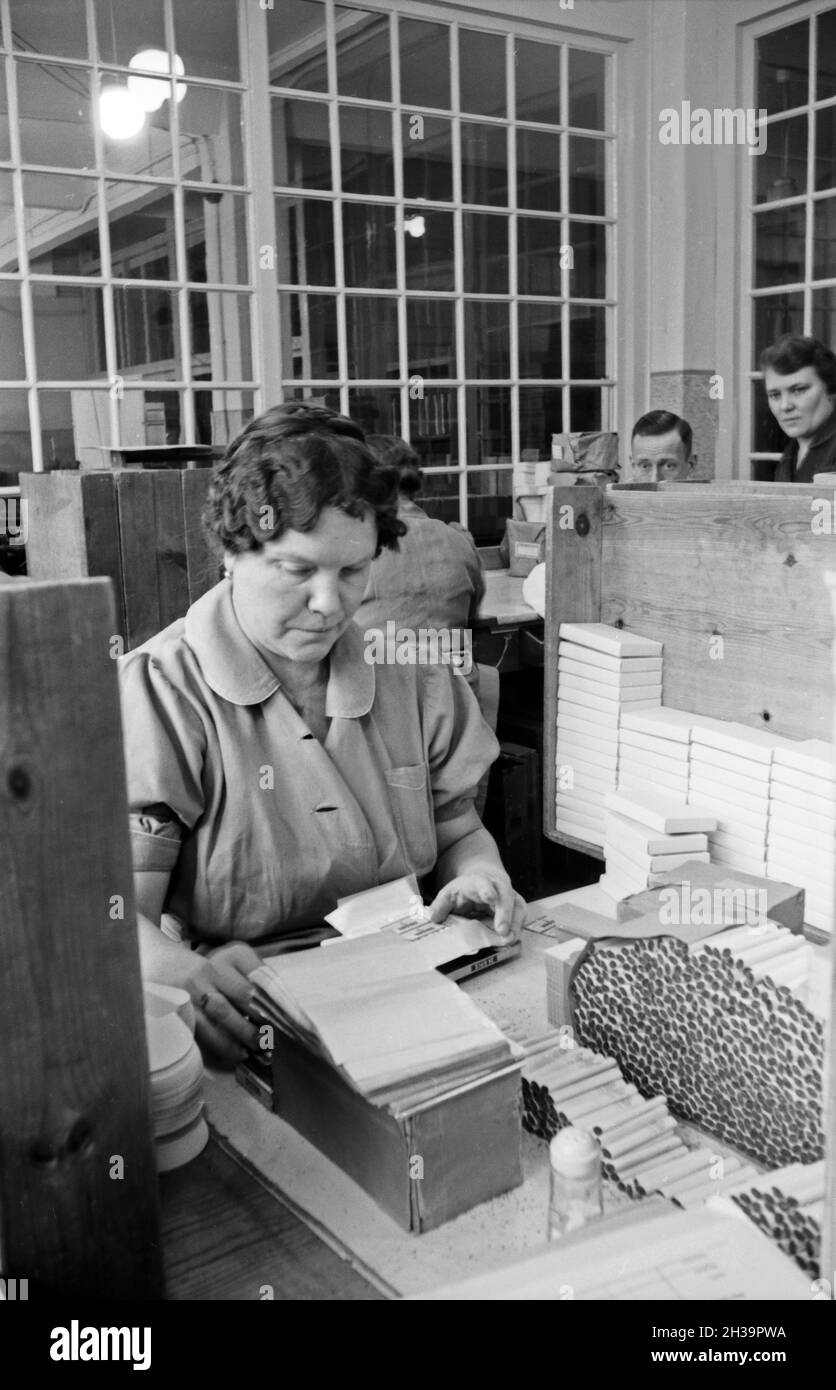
393 451
285 467
792 352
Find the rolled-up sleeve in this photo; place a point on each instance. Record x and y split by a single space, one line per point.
460 745
164 750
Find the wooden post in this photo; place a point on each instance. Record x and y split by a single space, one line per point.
73 529
78 1189
203 567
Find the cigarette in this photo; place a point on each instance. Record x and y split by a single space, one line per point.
668 1144
572 1089
617 1148
594 1102
640 1115
688 1163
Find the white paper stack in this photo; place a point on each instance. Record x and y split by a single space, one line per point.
639 857
176 1066
730 772
602 671
654 750
801 835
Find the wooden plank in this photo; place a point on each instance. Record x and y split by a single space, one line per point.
74 529
690 568
573 594
203 568
170 537
580 846
137 527
74 1079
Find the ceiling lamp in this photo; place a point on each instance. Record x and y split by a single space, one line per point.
121 115
151 92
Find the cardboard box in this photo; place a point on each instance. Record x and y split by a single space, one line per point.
422 1169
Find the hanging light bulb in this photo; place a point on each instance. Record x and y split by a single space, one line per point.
151 92
415 225
121 115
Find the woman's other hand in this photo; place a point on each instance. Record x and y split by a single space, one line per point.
221 993
483 892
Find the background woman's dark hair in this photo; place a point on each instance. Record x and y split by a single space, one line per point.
792 352
394 452
285 467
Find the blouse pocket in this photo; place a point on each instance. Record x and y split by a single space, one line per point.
409 796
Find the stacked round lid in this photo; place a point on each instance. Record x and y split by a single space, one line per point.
176 1066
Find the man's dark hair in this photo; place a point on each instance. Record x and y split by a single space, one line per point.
792 352
286 467
394 452
662 422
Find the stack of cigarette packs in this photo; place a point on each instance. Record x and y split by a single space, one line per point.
602 672
730 770
801 833
646 836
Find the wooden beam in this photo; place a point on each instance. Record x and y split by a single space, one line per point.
78 1191
73 529
202 566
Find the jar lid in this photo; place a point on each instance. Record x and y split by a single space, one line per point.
575 1153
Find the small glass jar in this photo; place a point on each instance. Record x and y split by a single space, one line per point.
575 1195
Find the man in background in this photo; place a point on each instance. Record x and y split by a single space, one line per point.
661 449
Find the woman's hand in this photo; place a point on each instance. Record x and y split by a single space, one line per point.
485 891
221 993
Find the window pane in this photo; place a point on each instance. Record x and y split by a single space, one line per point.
826 54
425 64
588 280
775 315
377 409
221 415
433 425
301 145
296 40
147 151
482 73
305 240
54 204
5 145
50 26
439 495
767 435
585 408
69 340
221 335
484 164
826 148
75 425
783 60
15 439
369 245
206 38
538 258
123 30
56 124
211 136
779 247
485 253
427 158
315 395
431 337
429 257
824 315
538 170
541 416
150 417
782 168
9 259
537 75
539 340
313 335
216 236
586 175
363 64
488 422
487 339
142 245
147 329
586 89
366 151
371 323
12 363
587 341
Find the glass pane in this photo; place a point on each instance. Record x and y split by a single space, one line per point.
826 148
439 495
779 247
484 164
211 136
538 170
206 38
489 503
221 335
586 175
538 259
5 144
767 435
824 315
487 339
305 241
62 229
296 40
9 259
123 30
371 325
69 336
428 254
50 26
537 69
55 115
134 146
301 144
541 416
826 55
363 62
315 395
147 329
377 410
12 363
783 62
488 411
313 335
585 408
369 245
433 425
587 76
587 341
541 352
150 417
142 245
782 168
427 158
431 337
485 253
221 415
75 425
425 64
15 439
216 236
482 73
775 315
366 151
588 280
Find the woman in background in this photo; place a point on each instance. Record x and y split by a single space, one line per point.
800 382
